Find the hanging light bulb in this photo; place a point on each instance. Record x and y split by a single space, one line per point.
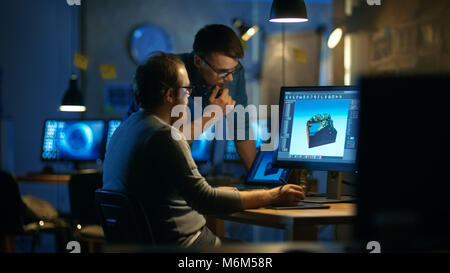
72 100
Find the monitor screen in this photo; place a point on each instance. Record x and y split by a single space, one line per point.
262 170
112 126
319 128
261 133
73 140
202 147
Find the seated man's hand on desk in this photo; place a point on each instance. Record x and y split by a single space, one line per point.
289 194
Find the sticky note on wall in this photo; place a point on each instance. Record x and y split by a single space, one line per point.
81 61
300 56
108 71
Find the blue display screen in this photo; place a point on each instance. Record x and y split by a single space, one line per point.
202 147
73 140
319 127
262 170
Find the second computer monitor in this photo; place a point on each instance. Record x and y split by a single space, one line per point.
319 128
73 140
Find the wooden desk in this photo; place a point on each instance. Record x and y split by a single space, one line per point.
300 225
51 178
45 178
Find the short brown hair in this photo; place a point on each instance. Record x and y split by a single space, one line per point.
218 38
154 77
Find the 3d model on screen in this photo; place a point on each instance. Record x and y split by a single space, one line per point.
320 130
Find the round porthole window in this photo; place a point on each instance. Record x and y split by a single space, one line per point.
146 39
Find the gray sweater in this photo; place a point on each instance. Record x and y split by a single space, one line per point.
143 159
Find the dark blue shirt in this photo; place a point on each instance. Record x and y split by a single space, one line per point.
201 89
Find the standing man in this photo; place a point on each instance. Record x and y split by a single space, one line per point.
218 78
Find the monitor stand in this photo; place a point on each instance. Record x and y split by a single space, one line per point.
334 190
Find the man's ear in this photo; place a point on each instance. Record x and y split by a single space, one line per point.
197 61
169 96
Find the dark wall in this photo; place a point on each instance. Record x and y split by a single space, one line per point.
38 39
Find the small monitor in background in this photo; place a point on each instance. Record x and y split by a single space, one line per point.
319 128
73 140
202 148
112 126
263 172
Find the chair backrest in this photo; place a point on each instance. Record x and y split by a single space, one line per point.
123 218
82 196
11 205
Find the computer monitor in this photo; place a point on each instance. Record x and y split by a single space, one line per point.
319 128
73 140
260 131
202 147
112 126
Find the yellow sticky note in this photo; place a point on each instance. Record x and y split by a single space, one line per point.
81 61
108 71
300 56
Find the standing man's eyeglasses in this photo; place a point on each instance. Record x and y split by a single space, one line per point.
221 73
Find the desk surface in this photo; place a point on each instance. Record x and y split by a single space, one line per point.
45 178
52 178
337 214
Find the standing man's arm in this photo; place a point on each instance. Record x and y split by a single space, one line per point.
222 102
247 152
245 148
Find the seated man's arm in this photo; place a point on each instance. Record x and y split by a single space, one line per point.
283 195
192 186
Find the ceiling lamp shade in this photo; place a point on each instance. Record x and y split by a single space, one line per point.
288 11
72 100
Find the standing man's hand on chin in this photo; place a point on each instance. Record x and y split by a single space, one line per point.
222 100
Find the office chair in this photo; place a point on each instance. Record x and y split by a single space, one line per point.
83 213
123 218
19 217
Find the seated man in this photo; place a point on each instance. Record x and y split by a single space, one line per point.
144 158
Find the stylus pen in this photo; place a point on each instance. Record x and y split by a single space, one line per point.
284 181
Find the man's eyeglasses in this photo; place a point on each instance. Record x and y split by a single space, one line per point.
223 74
188 89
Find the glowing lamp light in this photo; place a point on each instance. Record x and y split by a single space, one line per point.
335 38
288 11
